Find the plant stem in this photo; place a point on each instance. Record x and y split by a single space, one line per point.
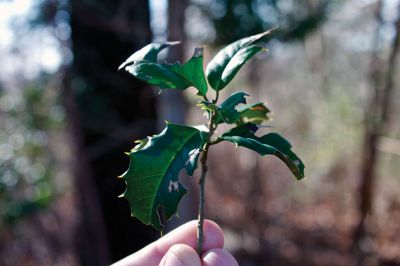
202 200
216 97
203 161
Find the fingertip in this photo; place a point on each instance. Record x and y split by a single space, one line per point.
181 255
187 234
218 257
213 235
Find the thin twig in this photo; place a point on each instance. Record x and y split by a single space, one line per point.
202 201
216 97
200 233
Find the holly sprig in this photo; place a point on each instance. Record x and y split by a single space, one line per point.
152 179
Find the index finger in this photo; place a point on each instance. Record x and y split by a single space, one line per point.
186 234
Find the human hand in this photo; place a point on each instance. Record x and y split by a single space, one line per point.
177 248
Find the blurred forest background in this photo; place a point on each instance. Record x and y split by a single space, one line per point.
331 79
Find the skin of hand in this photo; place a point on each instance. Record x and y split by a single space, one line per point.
177 248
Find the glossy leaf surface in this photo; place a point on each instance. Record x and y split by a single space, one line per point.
143 65
224 66
152 177
255 113
271 143
193 71
227 110
148 53
235 99
158 75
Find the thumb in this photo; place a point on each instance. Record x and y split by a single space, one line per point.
181 255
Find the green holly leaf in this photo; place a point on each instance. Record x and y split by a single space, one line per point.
193 71
224 66
158 75
227 110
148 53
271 143
166 76
235 99
152 177
255 113
232 111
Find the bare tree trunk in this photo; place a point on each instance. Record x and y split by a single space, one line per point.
176 29
173 107
90 229
113 109
376 124
171 103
